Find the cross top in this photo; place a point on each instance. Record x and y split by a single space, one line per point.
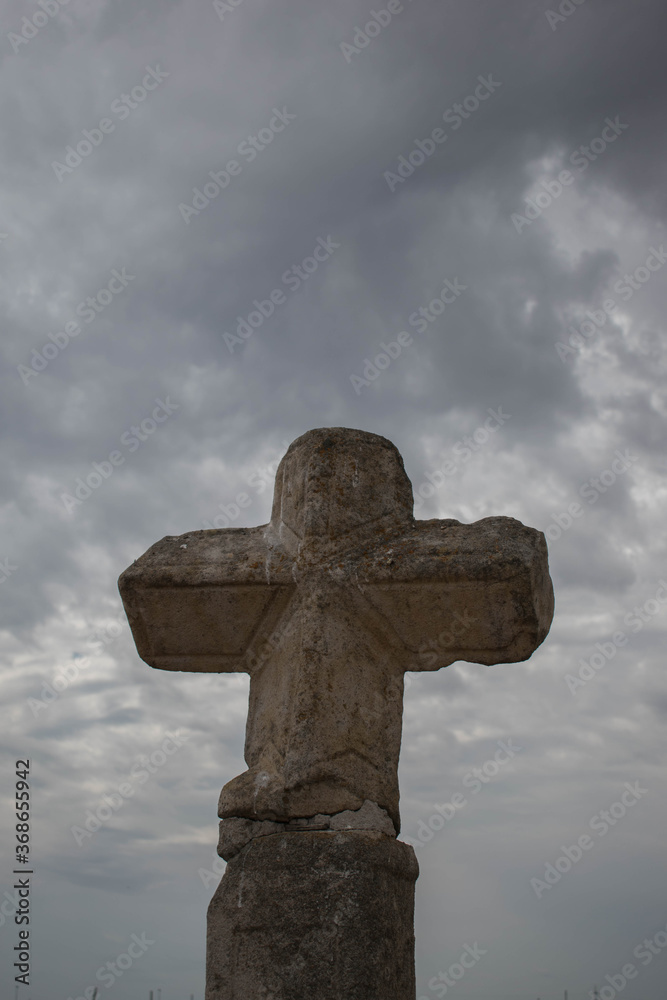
326 607
333 483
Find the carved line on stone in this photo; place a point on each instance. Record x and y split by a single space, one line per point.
282 757
279 623
380 613
382 629
317 551
350 752
277 755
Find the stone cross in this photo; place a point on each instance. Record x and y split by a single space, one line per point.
325 608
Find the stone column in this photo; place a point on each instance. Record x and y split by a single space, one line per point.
314 915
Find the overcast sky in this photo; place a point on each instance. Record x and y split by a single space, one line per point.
541 200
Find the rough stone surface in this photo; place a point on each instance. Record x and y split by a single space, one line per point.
236 831
326 607
314 916
369 817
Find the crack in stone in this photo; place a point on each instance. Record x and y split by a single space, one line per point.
237 831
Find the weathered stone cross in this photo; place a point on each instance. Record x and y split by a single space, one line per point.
326 607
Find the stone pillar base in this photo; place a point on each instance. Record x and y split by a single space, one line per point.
314 916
